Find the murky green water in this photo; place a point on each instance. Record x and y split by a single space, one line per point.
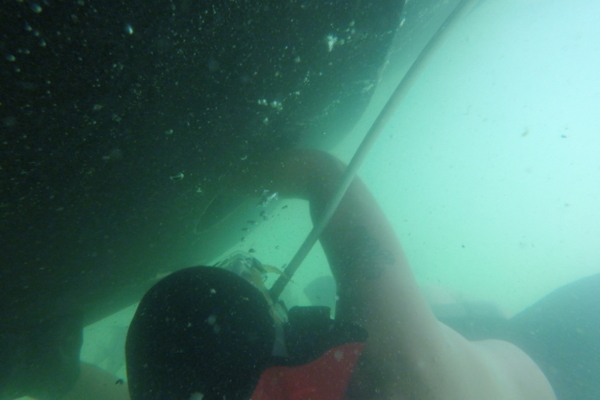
489 171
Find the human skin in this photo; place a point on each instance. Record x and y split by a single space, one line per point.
409 354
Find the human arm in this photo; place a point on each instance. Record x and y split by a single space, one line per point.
409 354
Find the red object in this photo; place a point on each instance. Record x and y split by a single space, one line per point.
326 378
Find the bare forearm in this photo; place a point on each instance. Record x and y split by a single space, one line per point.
374 278
376 285
361 246
408 353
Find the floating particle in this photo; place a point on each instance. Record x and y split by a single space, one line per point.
367 88
277 105
284 207
331 41
177 177
246 229
252 222
36 8
129 29
267 197
114 155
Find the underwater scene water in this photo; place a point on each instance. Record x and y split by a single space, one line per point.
489 170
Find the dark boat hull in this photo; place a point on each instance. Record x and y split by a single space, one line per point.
122 120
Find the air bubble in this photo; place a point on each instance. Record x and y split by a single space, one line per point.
331 41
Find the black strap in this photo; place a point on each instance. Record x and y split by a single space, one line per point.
310 333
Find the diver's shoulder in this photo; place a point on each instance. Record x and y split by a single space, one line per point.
516 375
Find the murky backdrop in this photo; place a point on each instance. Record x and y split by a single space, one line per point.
489 170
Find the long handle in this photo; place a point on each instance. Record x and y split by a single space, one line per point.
386 113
